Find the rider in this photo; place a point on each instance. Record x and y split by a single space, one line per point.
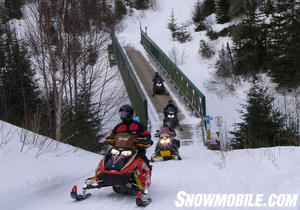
170 106
156 78
137 129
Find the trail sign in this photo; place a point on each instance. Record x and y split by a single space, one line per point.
208 118
219 121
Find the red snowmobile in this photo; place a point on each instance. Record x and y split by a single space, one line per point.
122 169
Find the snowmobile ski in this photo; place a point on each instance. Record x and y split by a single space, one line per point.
79 197
142 202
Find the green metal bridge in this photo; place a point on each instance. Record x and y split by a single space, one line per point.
193 97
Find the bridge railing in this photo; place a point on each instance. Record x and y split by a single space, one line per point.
135 93
192 95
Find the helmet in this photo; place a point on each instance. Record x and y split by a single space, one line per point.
126 113
156 73
170 102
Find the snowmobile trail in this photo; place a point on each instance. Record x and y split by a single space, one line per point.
145 72
168 177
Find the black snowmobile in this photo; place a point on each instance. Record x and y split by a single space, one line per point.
159 88
171 119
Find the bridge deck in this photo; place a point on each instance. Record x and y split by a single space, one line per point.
145 73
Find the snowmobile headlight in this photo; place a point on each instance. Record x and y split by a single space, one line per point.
126 153
159 84
115 152
170 116
165 141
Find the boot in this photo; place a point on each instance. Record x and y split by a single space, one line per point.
142 198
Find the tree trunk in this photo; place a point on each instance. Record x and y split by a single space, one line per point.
61 77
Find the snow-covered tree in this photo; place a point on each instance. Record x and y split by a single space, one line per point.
263 125
172 25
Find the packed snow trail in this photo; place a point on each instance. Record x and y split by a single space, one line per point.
145 72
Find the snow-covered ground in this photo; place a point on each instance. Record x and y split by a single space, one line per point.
38 173
43 174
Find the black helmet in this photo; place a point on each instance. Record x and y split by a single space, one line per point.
156 73
170 102
126 113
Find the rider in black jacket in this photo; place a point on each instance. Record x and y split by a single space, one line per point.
170 107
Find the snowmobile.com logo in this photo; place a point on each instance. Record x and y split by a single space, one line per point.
235 200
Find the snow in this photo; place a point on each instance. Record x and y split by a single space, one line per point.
39 173
44 182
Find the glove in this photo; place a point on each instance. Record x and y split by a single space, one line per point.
110 139
144 142
157 134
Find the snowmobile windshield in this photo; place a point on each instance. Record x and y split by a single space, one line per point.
116 159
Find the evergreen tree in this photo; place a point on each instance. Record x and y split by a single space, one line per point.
205 50
120 9
208 7
250 42
222 11
142 4
198 17
172 25
285 46
269 7
19 95
14 8
223 66
82 128
182 34
237 8
262 125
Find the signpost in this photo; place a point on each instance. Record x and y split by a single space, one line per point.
219 121
213 143
208 125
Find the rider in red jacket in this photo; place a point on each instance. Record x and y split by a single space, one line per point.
136 129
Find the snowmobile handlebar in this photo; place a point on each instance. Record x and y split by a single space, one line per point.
143 142
140 141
